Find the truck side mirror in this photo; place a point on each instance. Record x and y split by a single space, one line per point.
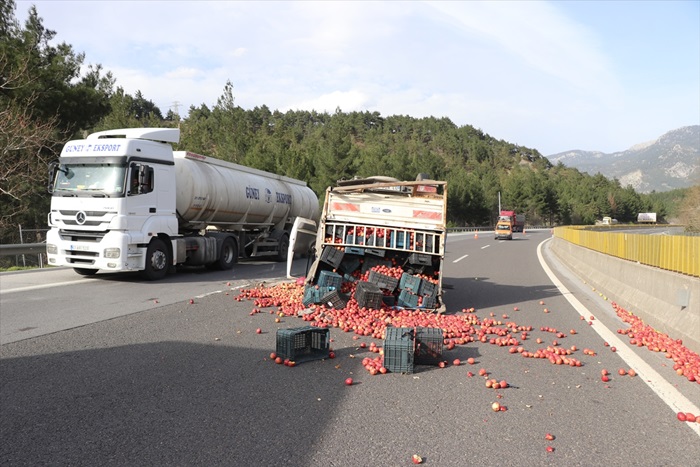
140 179
52 175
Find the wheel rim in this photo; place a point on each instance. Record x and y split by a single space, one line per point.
158 260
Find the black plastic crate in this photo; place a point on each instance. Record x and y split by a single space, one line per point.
353 250
350 264
383 281
331 255
410 282
330 279
420 259
427 288
368 295
389 300
429 344
375 251
334 299
399 350
371 261
303 344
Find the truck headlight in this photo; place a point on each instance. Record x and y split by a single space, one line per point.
112 252
51 249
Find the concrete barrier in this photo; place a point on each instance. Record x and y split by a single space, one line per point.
667 301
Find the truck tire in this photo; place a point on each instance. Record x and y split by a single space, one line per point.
228 255
283 249
85 272
157 260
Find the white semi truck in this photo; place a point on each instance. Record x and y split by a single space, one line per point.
123 200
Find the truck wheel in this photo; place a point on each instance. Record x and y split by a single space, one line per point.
85 272
157 260
228 255
283 250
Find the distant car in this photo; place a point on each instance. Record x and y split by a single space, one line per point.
504 229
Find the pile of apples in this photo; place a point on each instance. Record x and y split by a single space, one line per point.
685 361
458 329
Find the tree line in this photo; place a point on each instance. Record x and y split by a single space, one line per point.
45 100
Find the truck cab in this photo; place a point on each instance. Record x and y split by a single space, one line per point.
504 230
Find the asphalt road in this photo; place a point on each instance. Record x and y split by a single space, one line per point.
185 384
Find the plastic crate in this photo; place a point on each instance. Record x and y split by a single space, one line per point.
375 251
429 343
334 299
330 279
397 241
368 295
410 282
350 264
420 259
353 250
407 299
389 300
371 261
331 255
399 350
375 241
427 288
428 302
313 294
355 239
383 281
303 344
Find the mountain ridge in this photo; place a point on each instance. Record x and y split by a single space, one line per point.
671 161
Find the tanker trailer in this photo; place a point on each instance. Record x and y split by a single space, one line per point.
123 200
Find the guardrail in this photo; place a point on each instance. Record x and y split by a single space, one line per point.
676 253
22 249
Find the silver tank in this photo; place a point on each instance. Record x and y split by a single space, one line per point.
212 192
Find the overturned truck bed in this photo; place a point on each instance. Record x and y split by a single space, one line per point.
380 242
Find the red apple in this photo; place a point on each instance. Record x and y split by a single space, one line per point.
348 381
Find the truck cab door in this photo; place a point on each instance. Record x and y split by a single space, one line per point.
141 196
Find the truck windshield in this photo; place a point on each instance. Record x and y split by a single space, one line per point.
502 227
88 179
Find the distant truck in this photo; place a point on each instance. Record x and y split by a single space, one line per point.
123 200
374 227
517 221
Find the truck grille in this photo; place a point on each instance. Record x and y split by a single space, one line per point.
80 236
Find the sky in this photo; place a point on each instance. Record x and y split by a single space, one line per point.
549 75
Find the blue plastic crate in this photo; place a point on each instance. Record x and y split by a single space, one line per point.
410 282
330 279
427 288
399 350
407 299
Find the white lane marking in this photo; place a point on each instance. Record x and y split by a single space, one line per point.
662 388
485 246
460 259
41 286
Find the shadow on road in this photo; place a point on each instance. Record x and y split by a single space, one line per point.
162 403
